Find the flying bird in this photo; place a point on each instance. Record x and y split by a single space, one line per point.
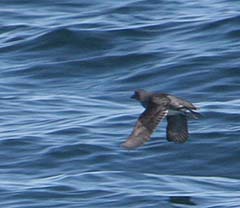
157 107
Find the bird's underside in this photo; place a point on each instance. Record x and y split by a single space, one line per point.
157 109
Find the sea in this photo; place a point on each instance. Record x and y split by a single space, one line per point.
67 71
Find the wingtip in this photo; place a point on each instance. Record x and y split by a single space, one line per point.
132 143
127 146
178 138
123 145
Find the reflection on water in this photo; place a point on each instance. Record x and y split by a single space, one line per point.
184 200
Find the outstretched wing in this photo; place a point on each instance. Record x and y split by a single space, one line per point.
147 122
177 128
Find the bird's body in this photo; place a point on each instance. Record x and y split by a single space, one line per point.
157 107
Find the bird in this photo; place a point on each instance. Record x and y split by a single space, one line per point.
157 107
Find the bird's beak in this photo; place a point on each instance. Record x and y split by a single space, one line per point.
133 96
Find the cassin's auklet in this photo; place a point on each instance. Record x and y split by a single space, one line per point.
157 106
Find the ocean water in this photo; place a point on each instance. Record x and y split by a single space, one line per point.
68 69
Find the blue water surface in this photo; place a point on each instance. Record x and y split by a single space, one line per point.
68 69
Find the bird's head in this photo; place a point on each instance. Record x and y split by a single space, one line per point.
141 95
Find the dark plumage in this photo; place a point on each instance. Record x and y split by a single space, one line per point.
157 107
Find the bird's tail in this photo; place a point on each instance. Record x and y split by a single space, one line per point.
193 114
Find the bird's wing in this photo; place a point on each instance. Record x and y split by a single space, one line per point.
156 110
177 128
181 103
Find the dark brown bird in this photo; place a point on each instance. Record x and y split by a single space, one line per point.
157 107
